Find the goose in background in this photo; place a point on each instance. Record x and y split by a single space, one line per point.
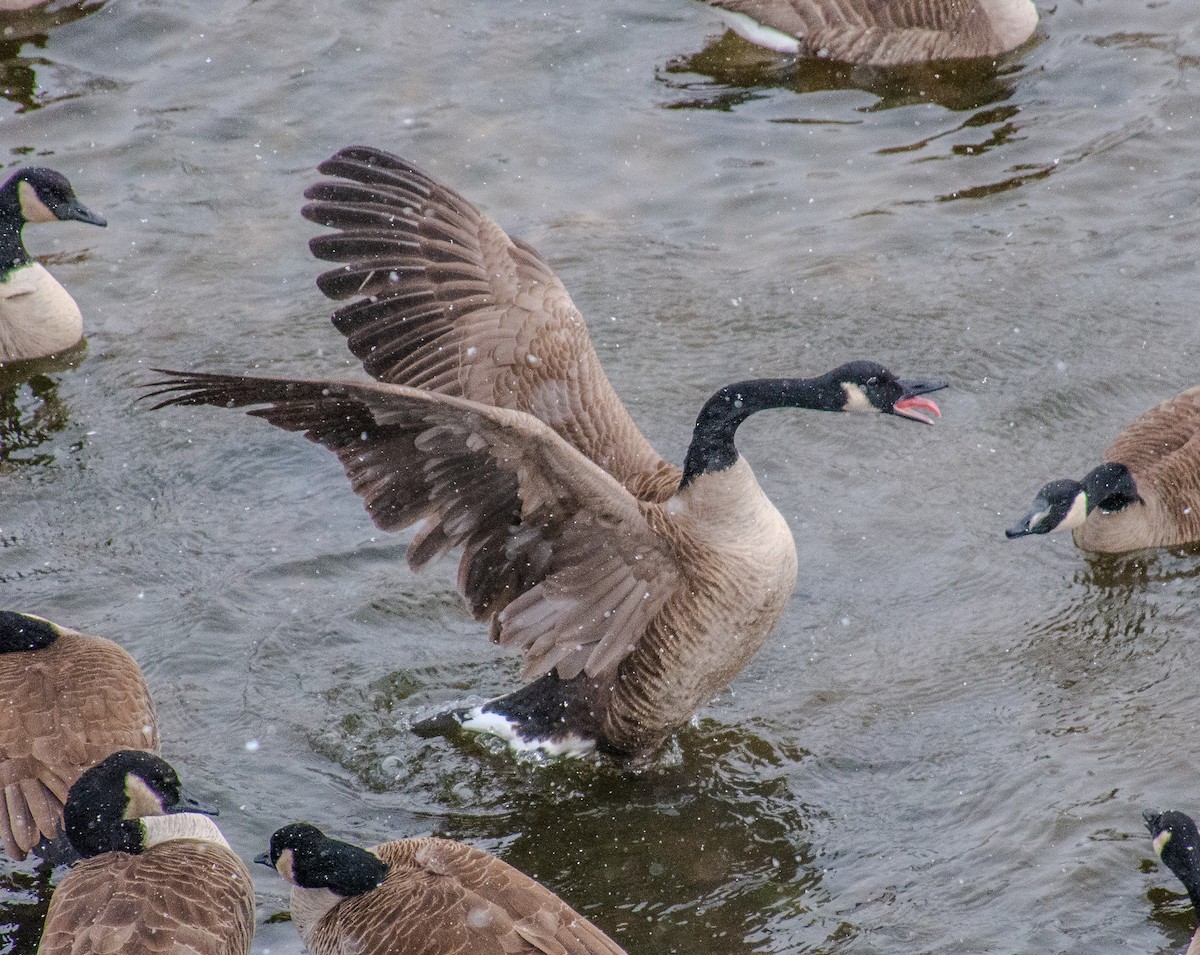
883 32
635 589
66 701
38 317
1177 844
154 878
422 897
1146 493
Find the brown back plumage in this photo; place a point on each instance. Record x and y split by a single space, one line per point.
1162 451
63 709
181 897
445 898
451 304
892 32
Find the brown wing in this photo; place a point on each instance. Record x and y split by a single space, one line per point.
182 897
442 897
1162 447
62 710
878 31
448 302
557 554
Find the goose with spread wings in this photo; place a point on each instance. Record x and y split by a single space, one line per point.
634 589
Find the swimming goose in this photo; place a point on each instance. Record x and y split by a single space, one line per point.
38 317
66 701
426 896
153 879
883 32
1145 494
1177 843
635 590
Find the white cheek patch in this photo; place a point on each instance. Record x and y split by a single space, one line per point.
143 801
285 864
32 207
1160 842
856 398
755 32
1076 515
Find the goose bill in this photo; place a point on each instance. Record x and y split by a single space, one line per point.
915 406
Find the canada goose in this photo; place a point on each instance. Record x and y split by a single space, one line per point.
883 32
636 590
1145 494
66 701
150 882
1177 843
421 897
38 317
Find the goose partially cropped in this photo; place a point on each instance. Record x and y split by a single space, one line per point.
1146 493
66 701
883 32
38 317
154 879
422 897
1177 843
635 589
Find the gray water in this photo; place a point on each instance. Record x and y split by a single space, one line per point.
946 744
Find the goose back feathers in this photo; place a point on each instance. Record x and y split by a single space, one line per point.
883 32
422 897
38 317
634 589
1146 493
150 882
66 701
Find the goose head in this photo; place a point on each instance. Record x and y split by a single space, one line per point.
1177 844
869 386
307 858
129 784
1065 504
37 194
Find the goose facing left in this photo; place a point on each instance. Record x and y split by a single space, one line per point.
67 700
422 897
38 317
154 878
635 589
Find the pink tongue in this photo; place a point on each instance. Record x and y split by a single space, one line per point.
909 407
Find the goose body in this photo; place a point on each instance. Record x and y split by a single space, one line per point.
150 881
634 589
67 701
38 317
1177 844
1146 493
883 32
422 897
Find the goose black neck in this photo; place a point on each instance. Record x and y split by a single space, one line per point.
713 448
21 632
12 221
340 867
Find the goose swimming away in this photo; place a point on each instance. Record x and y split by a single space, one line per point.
635 589
883 32
154 879
67 700
431 896
1146 492
38 317
1177 844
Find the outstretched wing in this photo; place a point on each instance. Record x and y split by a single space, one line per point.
556 553
449 303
